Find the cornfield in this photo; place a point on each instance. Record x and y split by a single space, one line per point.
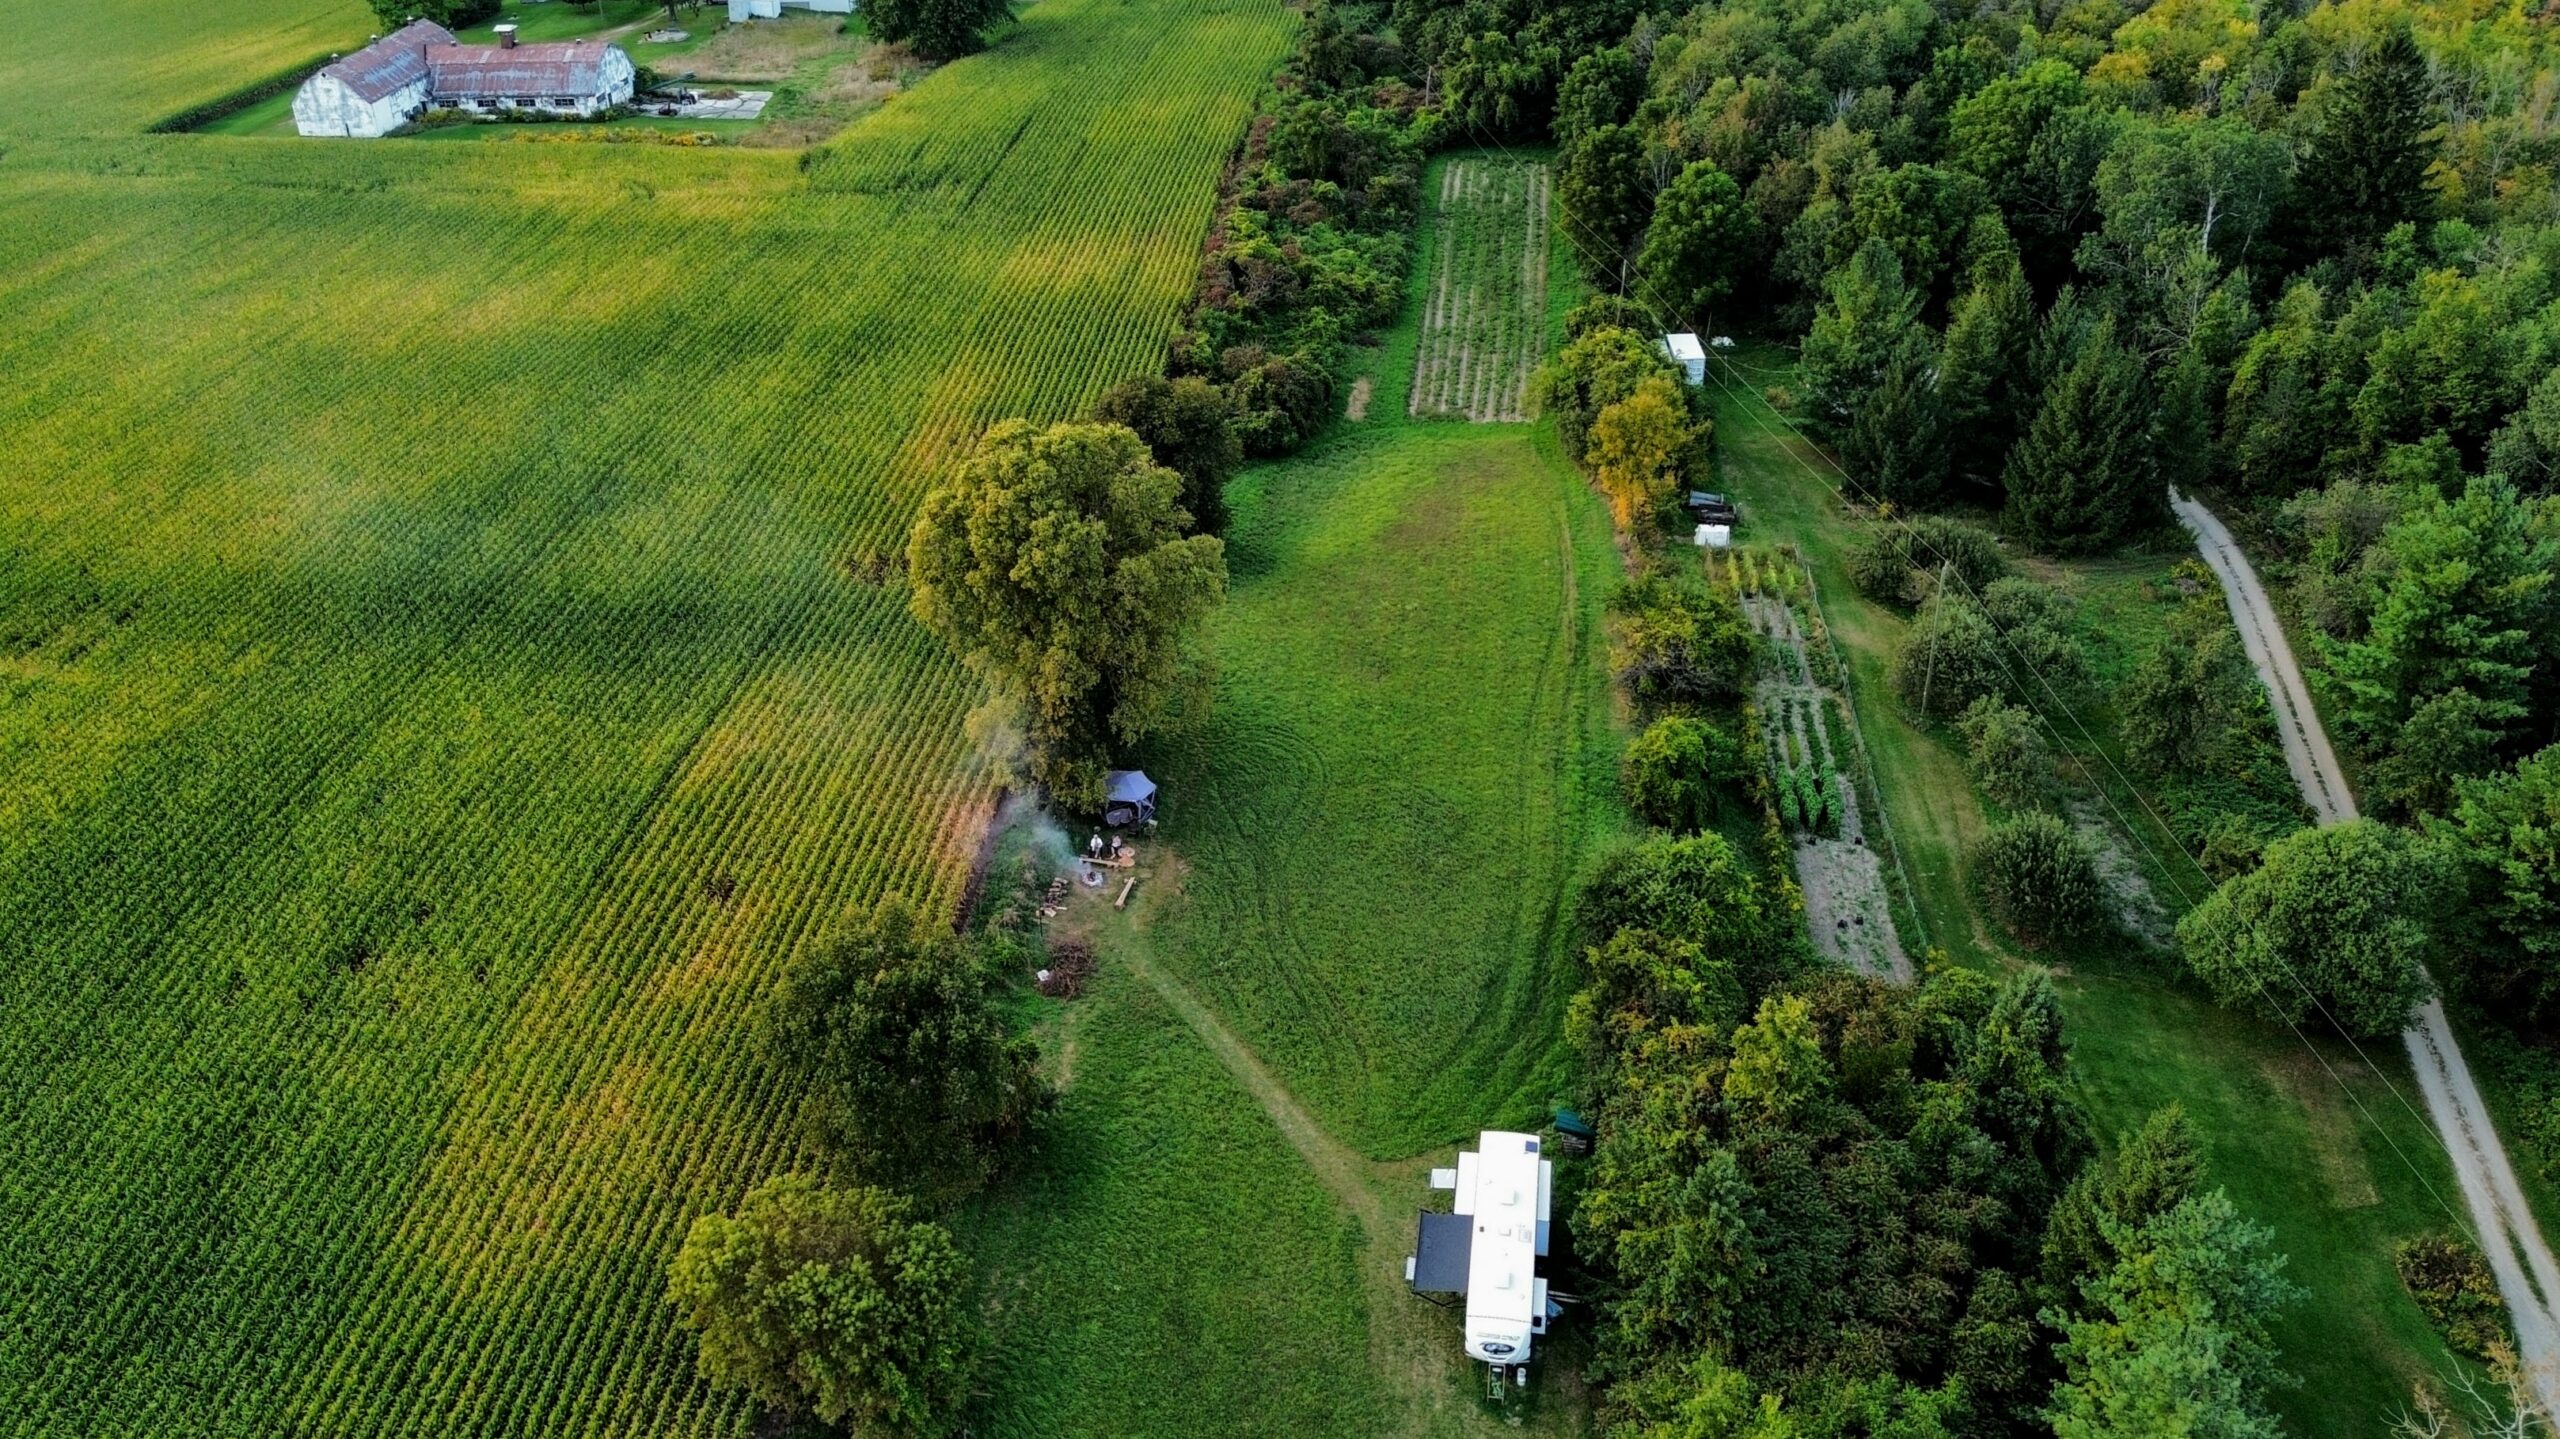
454 655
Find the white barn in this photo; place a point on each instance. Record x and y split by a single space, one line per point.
743 10
373 91
573 77
384 85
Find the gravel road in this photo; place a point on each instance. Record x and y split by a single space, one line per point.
2528 1278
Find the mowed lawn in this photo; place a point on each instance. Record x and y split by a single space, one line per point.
1408 764
450 662
2321 1141
1361 876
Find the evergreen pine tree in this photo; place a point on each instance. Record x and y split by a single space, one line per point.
1981 368
1896 445
2364 169
1866 314
2085 477
2182 431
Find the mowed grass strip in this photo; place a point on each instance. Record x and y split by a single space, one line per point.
2313 1142
447 676
1409 761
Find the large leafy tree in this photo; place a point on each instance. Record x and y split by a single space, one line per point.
1186 426
841 1303
1638 451
1678 643
2364 162
1602 197
1057 563
1700 244
2334 922
2505 829
936 29
914 1075
2085 476
1678 771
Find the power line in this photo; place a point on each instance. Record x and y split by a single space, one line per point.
1656 314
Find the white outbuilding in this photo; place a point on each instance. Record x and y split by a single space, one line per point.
1688 354
741 10
373 91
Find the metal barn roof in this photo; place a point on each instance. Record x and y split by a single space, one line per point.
559 67
390 63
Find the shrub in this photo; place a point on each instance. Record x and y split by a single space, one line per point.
1900 561
2040 877
1678 642
2333 920
1951 658
2004 748
1677 771
2452 1283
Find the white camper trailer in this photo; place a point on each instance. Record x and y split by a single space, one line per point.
1489 1244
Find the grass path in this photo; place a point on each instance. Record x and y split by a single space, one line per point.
1416 1355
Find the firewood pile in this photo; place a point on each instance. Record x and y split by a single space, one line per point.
1070 965
1054 898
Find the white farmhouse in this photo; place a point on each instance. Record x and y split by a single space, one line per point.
743 10
421 66
373 91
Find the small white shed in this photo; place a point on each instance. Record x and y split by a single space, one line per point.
1686 352
742 10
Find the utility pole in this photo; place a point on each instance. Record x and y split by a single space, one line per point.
1929 676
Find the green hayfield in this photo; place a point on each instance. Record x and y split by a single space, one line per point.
2340 1167
445 679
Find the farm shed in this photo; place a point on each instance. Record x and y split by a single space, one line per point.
373 91
1689 354
574 76
740 10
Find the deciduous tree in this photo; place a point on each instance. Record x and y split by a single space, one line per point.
914 1077
1055 562
2334 922
936 29
839 1303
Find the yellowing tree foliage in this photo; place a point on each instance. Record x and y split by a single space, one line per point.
1636 449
